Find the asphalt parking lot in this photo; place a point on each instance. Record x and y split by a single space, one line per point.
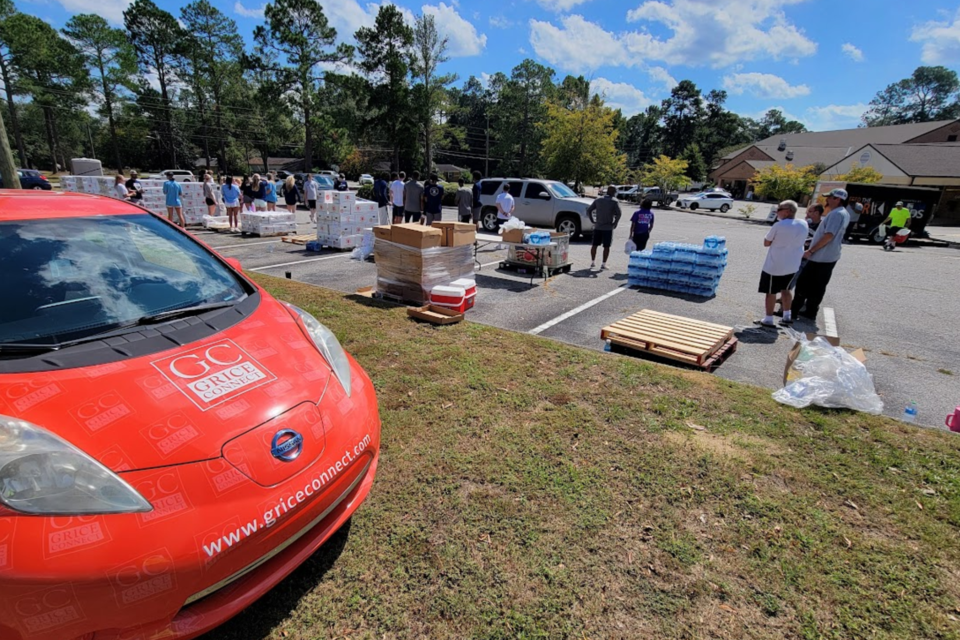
897 306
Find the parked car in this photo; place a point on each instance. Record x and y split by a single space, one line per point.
366 178
627 192
174 440
31 179
328 173
179 175
323 183
706 200
539 203
657 195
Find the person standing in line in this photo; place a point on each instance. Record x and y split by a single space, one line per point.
822 257
340 184
119 188
311 193
641 224
897 219
412 199
270 193
854 210
290 194
814 215
381 193
134 188
477 205
210 194
258 189
785 245
505 205
433 200
231 200
464 202
247 193
172 190
605 214
396 195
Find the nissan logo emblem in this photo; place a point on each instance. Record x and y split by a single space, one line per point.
287 445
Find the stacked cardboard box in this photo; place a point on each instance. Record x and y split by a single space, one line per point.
194 206
411 261
342 217
216 222
263 223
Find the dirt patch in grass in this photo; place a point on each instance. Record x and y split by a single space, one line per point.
530 489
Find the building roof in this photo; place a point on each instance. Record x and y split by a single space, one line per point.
849 138
449 168
803 156
940 160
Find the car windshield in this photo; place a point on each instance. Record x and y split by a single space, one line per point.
561 190
323 181
65 279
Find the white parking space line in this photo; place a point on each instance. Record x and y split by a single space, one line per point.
287 264
243 244
487 264
580 309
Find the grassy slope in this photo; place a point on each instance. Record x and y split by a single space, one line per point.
532 489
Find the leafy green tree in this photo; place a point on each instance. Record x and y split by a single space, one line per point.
472 106
112 62
216 52
9 78
696 166
784 182
720 128
429 52
857 173
667 173
157 38
580 144
298 32
929 94
384 52
682 113
520 107
641 137
774 123
51 71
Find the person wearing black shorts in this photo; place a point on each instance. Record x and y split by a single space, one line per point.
784 244
605 214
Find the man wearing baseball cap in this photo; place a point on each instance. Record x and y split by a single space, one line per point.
822 256
898 218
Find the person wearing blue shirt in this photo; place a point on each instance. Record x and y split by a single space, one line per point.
433 200
172 191
382 196
270 193
231 200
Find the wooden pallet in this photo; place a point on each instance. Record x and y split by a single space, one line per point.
693 342
304 239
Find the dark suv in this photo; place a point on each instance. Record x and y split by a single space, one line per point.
31 179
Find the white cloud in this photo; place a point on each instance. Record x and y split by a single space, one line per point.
500 21
463 37
662 76
852 52
110 10
833 116
560 5
620 95
700 34
941 40
485 79
763 85
256 12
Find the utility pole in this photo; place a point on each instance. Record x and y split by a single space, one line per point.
8 171
486 156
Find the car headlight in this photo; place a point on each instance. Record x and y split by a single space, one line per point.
42 474
328 346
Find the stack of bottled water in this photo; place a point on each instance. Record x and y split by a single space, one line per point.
681 268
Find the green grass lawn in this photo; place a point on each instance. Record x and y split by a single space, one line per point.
530 489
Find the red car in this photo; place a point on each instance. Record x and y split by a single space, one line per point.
173 440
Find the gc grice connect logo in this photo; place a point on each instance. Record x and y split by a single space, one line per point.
212 374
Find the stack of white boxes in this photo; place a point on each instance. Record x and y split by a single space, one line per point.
194 206
216 223
272 223
342 218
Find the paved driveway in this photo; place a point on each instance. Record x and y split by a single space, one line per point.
900 307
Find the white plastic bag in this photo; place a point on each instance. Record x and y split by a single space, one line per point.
630 247
829 377
512 223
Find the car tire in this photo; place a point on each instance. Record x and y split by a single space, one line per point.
877 236
693 206
724 208
570 225
488 219
37 187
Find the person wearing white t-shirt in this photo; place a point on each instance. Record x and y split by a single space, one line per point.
505 205
120 191
396 196
784 244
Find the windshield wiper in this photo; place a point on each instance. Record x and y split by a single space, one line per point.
195 310
28 347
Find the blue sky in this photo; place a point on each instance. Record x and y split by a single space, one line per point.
819 61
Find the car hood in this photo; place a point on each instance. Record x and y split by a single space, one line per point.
586 202
180 405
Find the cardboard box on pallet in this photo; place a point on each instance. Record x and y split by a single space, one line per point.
417 269
416 235
456 234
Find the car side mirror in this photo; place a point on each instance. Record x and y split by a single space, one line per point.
233 262
543 196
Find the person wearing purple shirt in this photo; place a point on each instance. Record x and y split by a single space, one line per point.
641 224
